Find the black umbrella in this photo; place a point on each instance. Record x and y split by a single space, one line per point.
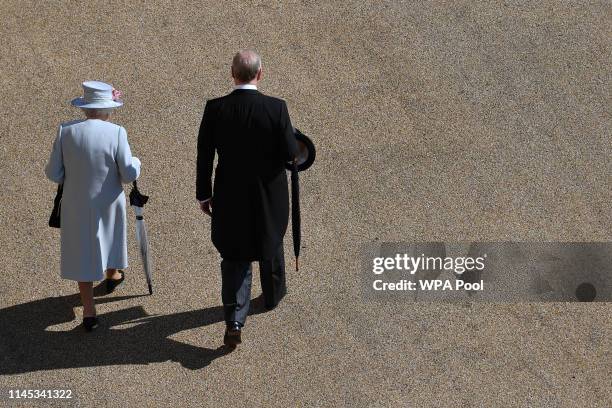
295 212
304 159
138 200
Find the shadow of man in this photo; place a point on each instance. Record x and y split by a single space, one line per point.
27 344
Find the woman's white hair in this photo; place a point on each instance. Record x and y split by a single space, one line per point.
98 111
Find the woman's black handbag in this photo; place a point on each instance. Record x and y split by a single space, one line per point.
54 219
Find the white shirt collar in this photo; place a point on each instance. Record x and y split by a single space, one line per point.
246 86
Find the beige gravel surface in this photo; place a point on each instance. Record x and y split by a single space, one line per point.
444 120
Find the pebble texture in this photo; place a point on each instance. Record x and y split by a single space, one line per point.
445 120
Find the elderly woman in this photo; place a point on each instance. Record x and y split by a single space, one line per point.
92 157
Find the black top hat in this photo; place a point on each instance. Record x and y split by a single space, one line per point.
306 152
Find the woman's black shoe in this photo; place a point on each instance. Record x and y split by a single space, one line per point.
111 284
90 323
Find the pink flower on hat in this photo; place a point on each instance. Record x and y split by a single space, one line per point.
117 94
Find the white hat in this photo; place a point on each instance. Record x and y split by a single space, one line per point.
97 95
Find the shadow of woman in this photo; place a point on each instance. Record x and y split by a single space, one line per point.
27 344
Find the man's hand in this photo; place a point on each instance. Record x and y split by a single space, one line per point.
206 207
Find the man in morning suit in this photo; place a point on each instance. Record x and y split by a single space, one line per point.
249 205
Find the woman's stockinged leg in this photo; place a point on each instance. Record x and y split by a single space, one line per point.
87 299
113 274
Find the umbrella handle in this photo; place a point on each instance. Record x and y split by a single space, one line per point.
136 197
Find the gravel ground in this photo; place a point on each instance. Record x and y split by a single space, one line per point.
444 120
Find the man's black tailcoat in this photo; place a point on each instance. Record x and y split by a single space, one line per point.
253 137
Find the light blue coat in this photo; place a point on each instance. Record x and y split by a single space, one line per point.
92 158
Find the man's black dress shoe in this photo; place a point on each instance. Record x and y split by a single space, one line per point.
232 334
111 284
90 323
